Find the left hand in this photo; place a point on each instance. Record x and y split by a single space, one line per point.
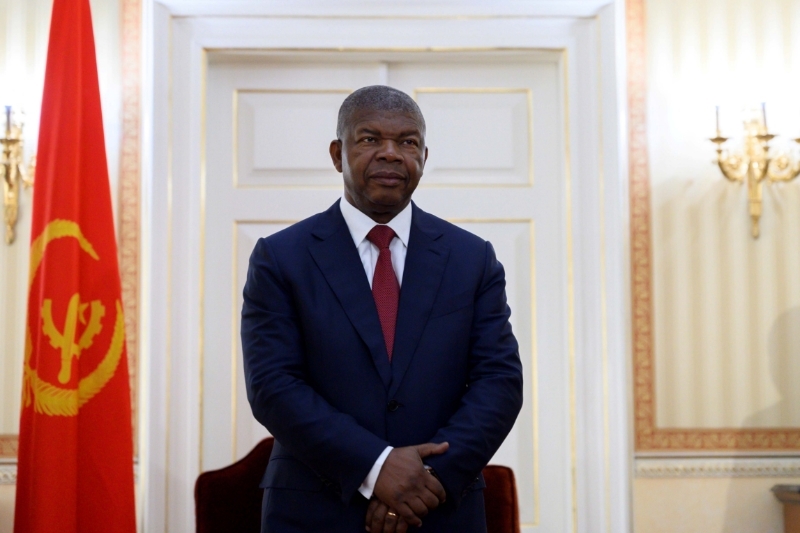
379 519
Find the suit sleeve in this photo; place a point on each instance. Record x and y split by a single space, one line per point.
330 442
494 398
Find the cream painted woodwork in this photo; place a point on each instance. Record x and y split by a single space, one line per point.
726 306
525 141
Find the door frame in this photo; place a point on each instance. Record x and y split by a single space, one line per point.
177 37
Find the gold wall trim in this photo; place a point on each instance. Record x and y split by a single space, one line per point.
648 437
694 467
492 90
129 193
573 413
9 444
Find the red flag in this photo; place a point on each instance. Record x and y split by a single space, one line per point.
75 472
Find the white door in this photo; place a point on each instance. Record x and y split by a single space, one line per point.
496 167
524 151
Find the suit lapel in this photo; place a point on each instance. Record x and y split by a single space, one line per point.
337 257
425 263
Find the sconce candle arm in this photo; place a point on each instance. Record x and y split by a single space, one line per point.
13 172
755 164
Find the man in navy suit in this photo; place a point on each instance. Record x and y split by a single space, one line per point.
377 346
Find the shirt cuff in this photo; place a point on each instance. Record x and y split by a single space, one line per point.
368 486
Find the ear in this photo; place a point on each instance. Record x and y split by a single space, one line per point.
425 159
336 154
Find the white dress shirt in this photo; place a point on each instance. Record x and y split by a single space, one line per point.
359 225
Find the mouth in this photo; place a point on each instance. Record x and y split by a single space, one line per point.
387 178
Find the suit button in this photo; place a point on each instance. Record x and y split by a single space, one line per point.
393 405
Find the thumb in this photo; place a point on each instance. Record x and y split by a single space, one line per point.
431 448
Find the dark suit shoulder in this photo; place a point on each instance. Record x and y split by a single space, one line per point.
301 232
440 228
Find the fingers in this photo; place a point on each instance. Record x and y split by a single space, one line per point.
435 486
430 500
390 522
373 505
402 527
431 448
418 506
381 519
376 523
406 513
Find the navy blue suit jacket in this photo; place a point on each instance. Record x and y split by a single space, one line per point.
319 378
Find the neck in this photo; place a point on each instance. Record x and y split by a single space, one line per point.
379 214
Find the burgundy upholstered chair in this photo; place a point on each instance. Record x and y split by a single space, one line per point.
229 499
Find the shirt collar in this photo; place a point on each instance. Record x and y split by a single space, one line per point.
360 224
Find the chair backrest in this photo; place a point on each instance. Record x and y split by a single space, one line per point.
500 496
229 499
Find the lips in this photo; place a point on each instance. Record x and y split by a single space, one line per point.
387 178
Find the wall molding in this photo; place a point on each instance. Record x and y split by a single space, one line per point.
692 467
8 473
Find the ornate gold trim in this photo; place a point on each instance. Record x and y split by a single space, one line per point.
9 444
648 437
573 410
129 193
693 467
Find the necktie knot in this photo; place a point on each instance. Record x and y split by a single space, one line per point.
381 236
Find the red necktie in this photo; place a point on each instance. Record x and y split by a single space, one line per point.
385 288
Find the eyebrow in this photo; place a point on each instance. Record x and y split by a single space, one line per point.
407 133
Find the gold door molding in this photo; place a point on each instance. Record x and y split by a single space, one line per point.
648 437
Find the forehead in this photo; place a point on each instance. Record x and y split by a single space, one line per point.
387 121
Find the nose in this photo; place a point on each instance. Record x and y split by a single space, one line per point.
389 151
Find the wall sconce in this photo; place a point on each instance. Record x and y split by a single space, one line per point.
13 172
755 162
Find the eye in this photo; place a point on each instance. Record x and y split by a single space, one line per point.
369 139
410 142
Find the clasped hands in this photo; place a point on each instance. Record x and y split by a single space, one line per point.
405 491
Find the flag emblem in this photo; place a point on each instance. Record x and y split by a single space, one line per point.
66 394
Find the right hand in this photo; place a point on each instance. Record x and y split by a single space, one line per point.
404 485
379 519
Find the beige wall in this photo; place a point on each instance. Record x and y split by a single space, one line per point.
726 307
725 304
7 508
707 505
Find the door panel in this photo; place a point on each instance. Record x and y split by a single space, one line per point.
496 168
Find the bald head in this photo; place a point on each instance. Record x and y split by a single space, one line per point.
377 98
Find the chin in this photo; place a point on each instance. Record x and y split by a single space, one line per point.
387 201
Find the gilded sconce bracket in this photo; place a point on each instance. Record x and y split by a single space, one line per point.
13 173
755 163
